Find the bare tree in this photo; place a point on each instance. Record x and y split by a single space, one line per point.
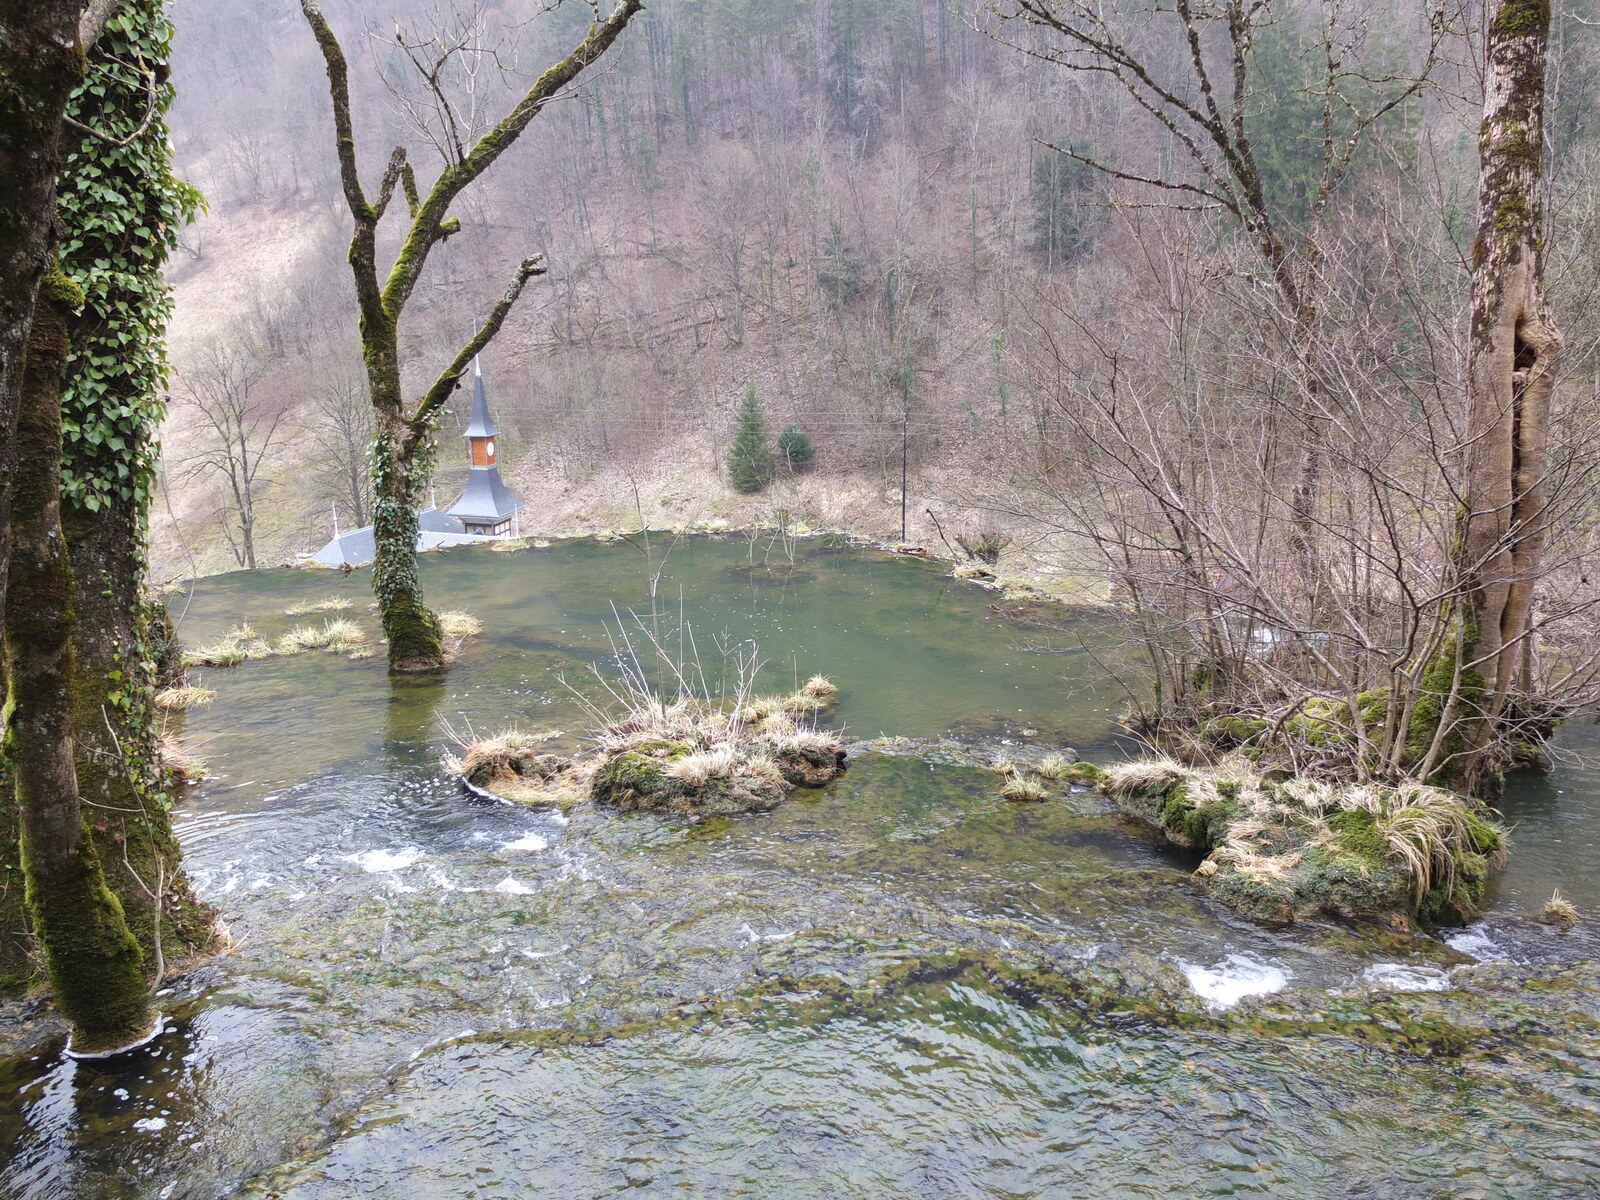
342 431
405 430
238 427
1192 69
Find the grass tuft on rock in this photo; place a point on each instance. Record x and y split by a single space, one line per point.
339 636
516 765
454 623
179 767
688 757
1409 856
239 644
1559 911
1024 789
307 608
1054 767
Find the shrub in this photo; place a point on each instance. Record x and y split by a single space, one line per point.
985 546
795 448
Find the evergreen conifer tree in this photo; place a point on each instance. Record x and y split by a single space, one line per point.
795 448
750 462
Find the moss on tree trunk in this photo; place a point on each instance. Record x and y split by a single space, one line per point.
94 961
115 734
1512 353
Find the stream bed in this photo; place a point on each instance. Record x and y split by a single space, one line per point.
897 986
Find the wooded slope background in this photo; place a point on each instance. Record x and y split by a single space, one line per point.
852 205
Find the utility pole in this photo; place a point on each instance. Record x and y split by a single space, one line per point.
905 439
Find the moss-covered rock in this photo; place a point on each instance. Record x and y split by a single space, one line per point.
809 766
1230 732
636 780
1407 857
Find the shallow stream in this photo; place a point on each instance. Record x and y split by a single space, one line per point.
900 986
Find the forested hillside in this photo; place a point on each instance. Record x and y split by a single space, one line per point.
870 212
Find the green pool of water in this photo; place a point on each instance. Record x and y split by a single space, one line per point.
900 986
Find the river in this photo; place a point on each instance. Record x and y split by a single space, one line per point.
900 986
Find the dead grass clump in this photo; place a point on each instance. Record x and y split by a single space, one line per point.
1023 788
514 765
339 636
1004 766
697 724
819 687
238 645
1559 911
698 769
803 741
1146 776
507 545
326 604
1054 767
176 699
454 623
177 764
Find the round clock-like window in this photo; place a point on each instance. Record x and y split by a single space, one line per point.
488 447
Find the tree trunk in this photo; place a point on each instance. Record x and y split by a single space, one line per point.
116 649
415 643
40 64
1513 349
94 962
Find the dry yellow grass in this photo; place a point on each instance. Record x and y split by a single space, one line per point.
339 636
700 768
327 604
234 647
454 623
1022 788
1053 766
1558 910
819 687
178 763
176 699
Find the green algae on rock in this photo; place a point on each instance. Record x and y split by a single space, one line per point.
1408 856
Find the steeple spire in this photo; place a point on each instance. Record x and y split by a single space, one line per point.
480 425
485 507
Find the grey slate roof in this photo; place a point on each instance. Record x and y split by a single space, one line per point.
485 499
359 547
481 425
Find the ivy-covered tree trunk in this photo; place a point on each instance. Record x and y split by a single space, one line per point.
40 64
121 209
400 472
1512 354
94 961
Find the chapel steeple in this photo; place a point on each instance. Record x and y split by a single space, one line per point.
485 507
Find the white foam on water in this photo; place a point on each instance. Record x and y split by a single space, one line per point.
386 860
512 887
756 938
545 953
1476 943
150 1124
1406 977
1234 978
529 841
